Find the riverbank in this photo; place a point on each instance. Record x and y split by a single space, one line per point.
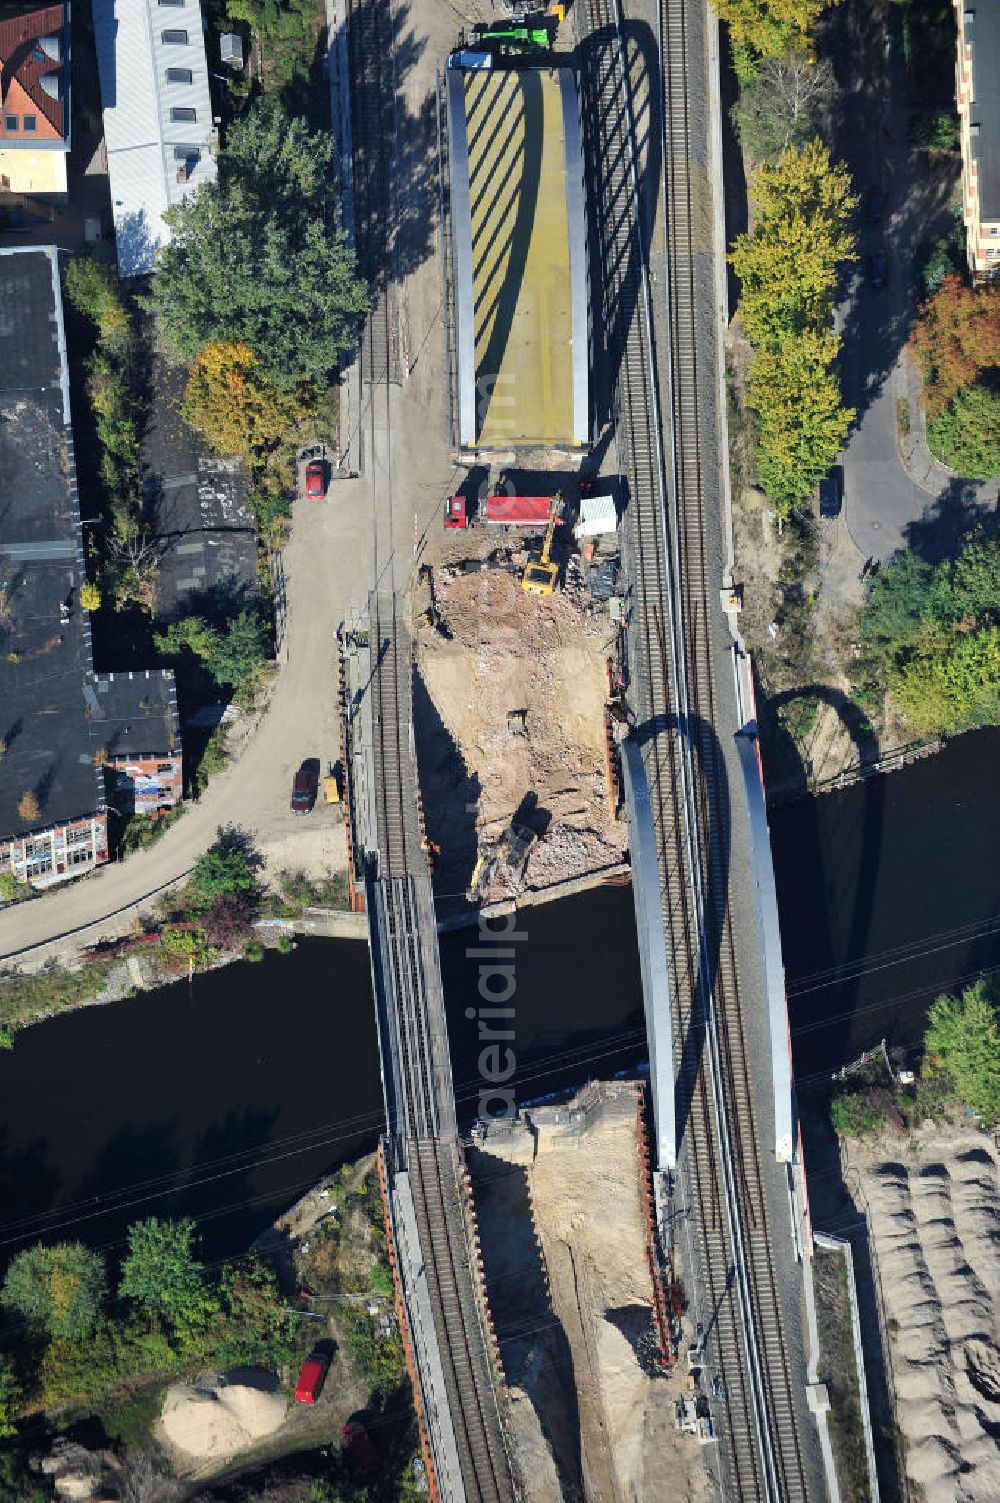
172 944
187 1403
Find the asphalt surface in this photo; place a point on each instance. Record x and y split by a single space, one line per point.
888 506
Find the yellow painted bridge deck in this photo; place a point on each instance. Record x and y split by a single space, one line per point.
520 259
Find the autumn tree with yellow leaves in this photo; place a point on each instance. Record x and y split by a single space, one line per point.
787 267
770 28
232 401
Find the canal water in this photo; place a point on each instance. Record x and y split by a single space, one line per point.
889 894
225 1099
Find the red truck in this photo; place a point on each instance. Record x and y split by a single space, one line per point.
311 1378
529 512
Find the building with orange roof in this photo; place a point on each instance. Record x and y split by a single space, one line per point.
34 99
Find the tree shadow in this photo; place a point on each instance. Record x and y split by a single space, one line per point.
949 519
220 1193
733 172
30 1181
394 148
834 1211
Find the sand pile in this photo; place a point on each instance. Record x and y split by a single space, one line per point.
934 1216
218 1417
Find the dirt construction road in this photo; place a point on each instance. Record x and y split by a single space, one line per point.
326 566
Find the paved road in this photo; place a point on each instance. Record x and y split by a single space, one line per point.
887 506
326 565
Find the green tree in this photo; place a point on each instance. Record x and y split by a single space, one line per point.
966 435
241 647
57 1290
161 1273
224 871
228 655
951 682
936 131
287 33
963 1040
10 1398
784 104
251 259
896 605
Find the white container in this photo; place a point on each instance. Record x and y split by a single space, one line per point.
597 517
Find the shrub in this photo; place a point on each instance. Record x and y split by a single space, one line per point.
10 1398
963 1040
57 1290
966 435
182 944
253 950
855 1114
28 807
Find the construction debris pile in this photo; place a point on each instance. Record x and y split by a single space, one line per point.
512 730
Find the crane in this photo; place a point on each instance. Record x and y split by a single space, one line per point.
540 575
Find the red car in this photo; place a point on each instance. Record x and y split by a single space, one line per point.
304 789
316 479
362 1457
311 1378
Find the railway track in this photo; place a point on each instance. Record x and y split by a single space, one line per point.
372 89
424 1130
673 671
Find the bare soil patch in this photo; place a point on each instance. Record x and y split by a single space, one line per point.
501 650
563 1234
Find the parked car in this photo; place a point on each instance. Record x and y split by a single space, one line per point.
316 479
831 493
877 269
362 1457
305 787
312 1377
875 205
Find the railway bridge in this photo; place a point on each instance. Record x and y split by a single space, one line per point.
452 1359
696 813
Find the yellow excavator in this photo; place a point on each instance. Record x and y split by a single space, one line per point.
540 575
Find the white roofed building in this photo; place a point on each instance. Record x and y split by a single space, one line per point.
157 117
